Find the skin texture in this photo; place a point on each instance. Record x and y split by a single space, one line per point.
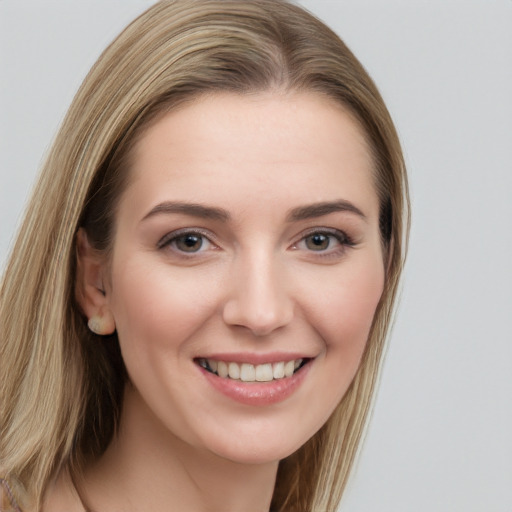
254 284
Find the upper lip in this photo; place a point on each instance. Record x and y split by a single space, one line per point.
256 358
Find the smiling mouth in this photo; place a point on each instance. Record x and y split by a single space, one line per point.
247 372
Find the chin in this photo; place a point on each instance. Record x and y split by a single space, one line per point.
265 448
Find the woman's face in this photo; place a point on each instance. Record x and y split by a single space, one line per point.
246 243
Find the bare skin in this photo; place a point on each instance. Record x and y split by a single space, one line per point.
200 482
249 233
61 496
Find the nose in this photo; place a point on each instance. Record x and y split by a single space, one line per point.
258 300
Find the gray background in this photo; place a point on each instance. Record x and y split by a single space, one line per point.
440 438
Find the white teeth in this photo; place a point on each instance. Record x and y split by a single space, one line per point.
289 368
278 369
247 372
264 372
222 369
252 373
234 371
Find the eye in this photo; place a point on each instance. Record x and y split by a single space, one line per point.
189 242
324 241
318 241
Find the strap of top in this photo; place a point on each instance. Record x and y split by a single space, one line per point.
7 501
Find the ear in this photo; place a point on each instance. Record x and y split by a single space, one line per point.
89 286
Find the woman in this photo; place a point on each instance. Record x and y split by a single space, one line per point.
194 313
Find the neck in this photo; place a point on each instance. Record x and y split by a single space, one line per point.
147 468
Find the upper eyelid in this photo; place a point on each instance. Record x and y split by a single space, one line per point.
169 237
212 238
325 230
342 245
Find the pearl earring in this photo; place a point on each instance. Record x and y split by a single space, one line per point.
96 324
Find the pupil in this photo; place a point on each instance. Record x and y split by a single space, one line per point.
318 241
190 243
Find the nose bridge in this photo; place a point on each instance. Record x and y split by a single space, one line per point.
259 299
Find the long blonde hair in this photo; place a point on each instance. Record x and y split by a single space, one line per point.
61 390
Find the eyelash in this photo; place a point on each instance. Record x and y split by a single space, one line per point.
340 237
171 238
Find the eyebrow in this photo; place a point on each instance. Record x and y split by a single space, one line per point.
193 209
319 209
210 212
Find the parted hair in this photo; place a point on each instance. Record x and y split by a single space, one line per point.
61 387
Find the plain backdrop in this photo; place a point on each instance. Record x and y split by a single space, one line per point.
440 438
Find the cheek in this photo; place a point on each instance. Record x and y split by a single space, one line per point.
155 307
344 326
346 308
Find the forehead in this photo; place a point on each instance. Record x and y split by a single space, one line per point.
302 144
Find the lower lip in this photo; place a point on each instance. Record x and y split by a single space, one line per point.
257 393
